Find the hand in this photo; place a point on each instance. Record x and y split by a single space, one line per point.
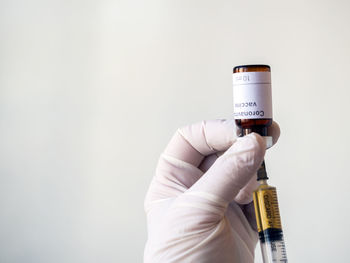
199 205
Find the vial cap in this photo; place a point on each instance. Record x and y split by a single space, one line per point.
268 141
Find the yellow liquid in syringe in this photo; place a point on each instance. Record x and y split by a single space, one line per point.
269 224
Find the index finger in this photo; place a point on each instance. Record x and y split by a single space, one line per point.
194 142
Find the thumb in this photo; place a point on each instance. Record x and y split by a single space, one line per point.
233 170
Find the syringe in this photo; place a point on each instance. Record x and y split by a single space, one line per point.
268 220
252 101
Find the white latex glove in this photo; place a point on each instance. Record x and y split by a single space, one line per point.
199 206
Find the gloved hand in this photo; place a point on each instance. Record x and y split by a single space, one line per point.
199 206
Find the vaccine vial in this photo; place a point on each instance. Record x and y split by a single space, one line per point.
252 99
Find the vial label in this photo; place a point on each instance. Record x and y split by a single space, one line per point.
252 96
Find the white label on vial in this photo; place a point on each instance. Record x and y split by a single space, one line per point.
252 98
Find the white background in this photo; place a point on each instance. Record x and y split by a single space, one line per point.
91 92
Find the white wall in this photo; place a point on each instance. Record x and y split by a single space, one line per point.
91 91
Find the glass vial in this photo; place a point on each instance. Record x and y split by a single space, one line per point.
252 99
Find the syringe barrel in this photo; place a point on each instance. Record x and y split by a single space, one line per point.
274 251
269 224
